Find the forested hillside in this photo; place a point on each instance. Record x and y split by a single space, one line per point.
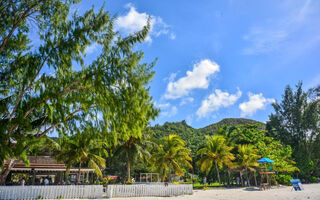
211 129
195 137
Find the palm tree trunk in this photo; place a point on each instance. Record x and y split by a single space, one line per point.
79 171
247 177
128 169
217 172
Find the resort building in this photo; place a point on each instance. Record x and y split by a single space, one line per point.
46 167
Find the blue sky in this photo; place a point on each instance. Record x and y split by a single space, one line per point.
221 59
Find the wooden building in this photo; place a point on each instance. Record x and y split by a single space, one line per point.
42 167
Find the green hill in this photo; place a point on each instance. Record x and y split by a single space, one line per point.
195 137
211 129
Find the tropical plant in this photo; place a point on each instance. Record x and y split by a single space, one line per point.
83 148
133 149
247 158
295 122
215 152
171 156
47 85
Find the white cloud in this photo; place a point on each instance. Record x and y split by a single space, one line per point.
164 105
134 21
264 41
92 48
256 102
217 100
170 112
197 78
186 100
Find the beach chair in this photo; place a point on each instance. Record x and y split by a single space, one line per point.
296 184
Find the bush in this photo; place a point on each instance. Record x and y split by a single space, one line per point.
312 179
128 182
283 179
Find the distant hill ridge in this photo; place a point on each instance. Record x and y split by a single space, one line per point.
194 137
210 129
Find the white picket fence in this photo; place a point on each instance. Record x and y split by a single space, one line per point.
145 190
51 192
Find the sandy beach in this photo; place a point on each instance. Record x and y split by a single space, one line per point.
311 191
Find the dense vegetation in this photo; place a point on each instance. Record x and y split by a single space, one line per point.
101 110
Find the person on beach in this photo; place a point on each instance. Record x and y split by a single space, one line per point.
46 181
205 181
23 182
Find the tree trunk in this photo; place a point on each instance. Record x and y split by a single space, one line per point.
128 169
255 178
241 178
229 179
218 173
247 177
79 171
6 172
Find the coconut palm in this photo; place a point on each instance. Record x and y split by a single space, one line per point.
82 148
215 152
171 155
247 158
134 148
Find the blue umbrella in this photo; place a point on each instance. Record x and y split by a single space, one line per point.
265 160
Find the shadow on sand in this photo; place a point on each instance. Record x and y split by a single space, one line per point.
251 189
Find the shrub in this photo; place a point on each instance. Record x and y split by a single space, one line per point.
313 179
283 179
128 182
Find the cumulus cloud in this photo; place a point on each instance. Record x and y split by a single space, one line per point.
217 100
197 78
186 101
167 110
170 111
134 21
256 102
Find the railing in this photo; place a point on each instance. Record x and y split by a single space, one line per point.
145 190
51 192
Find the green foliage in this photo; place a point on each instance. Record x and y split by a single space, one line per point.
283 179
136 148
47 86
215 152
191 136
83 148
229 122
171 156
296 123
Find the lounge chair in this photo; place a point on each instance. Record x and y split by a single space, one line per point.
296 184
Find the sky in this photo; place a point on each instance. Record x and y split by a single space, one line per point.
221 59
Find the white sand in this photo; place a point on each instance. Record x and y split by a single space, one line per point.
311 191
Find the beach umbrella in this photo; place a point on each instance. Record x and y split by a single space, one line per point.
265 160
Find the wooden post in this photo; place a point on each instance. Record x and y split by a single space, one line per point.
33 176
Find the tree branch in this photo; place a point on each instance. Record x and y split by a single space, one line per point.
57 124
27 88
24 15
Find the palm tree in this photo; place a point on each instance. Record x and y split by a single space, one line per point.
82 148
247 158
171 155
215 152
134 148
